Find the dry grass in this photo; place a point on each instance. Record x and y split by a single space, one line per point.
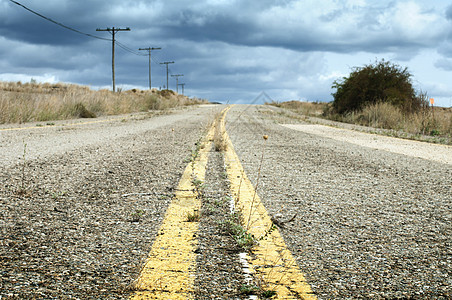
218 137
435 122
428 121
29 102
314 109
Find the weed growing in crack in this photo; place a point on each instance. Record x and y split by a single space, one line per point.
137 215
210 209
268 294
193 217
233 227
195 152
198 188
250 290
197 183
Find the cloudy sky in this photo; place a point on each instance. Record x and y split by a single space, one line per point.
229 50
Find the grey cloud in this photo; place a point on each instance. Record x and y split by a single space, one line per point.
444 63
236 25
231 49
243 28
449 13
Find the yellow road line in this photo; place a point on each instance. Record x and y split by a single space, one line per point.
169 269
272 263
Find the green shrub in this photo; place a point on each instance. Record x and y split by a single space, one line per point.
379 82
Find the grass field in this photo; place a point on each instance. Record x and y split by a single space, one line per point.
30 102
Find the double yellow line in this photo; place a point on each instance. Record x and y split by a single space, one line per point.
169 271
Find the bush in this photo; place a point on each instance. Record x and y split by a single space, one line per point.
79 111
379 82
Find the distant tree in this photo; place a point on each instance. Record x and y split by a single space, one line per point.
379 82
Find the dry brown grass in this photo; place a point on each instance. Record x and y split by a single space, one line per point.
428 121
218 137
29 102
435 122
314 109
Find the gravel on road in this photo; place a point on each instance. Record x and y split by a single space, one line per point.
369 223
79 215
81 203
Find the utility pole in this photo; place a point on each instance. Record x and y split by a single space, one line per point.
166 63
149 50
113 32
182 85
177 81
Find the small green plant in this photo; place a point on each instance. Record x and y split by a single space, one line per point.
137 215
249 290
268 294
198 188
57 195
233 227
197 182
434 132
218 202
211 209
193 216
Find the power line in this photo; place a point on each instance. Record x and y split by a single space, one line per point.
130 50
58 23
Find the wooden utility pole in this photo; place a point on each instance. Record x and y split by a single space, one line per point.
177 81
113 32
166 63
149 50
182 85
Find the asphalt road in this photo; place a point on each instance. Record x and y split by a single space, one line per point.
79 219
371 221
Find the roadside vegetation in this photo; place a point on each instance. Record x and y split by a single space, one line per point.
381 95
33 102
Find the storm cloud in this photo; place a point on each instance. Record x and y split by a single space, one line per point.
228 50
